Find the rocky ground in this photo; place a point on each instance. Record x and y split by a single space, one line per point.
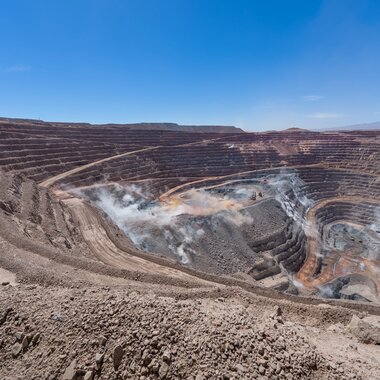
98 332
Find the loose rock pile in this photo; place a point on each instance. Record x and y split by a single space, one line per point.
367 330
103 334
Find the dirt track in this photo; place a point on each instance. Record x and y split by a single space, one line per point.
105 250
52 180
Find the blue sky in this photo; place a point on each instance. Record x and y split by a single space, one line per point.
250 63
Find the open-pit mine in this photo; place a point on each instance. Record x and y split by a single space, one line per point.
215 219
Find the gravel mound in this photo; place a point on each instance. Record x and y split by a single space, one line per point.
99 333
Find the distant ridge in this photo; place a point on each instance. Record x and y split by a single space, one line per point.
140 126
295 129
354 127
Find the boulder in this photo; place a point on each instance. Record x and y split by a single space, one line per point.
163 371
89 375
99 358
70 372
16 350
366 330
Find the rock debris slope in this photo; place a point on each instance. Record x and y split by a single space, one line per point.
104 333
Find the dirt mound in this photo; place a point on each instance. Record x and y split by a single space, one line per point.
121 334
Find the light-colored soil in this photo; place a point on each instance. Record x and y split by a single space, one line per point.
230 335
7 277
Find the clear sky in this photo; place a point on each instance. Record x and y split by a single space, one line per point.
257 64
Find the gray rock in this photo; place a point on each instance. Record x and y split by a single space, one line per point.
117 356
277 311
16 350
102 340
58 318
163 371
138 354
70 372
36 338
89 375
146 358
154 366
367 330
19 336
25 343
99 358
166 356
